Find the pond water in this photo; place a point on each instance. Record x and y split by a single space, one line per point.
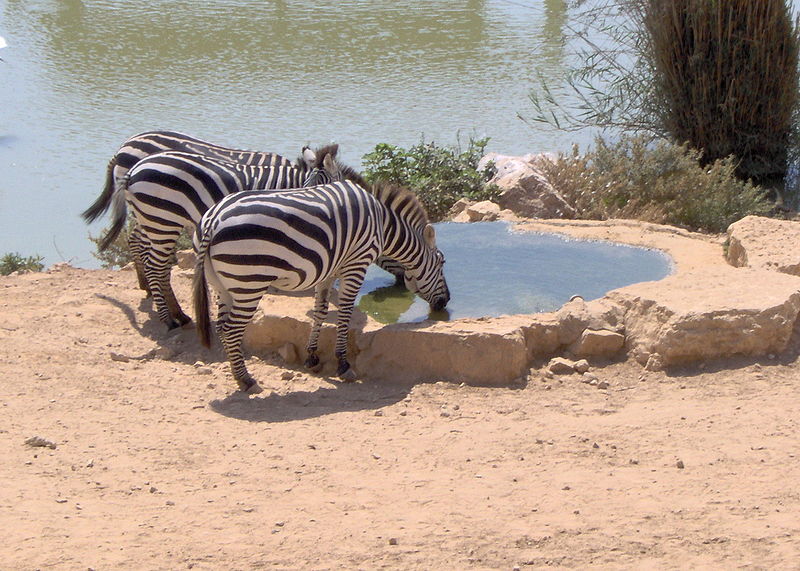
80 76
492 270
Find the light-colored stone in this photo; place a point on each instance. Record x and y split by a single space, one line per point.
525 190
486 210
765 243
581 366
460 206
699 315
561 366
288 352
186 259
598 343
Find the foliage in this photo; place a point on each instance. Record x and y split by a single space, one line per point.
657 182
439 175
727 78
118 254
14 262
721 76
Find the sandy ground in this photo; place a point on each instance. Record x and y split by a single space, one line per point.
159 464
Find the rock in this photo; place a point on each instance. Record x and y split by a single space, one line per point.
759 242
186 259
589 377
680 465
525 189
597 343
561 366
581 366
288 352
528 194
287 375
39 442
460 206
709 313
602 385
485 210
119 357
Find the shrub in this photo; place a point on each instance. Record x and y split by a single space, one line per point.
439 175
656 182
118 255
726 74
13 262
719 75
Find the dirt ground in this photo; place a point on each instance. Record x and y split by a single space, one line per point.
159 464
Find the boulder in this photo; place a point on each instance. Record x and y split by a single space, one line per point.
524 188
598 343
485 210
765 243
706 314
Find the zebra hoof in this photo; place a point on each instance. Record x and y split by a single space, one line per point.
312 363
249 386
183 319
346 373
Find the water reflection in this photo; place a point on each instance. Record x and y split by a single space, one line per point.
493 271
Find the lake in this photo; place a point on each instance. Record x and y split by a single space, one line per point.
80 76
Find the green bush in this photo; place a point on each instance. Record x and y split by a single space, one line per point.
13 262
656 182
118 254
439 175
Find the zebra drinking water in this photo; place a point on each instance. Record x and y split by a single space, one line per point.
172 190
303 239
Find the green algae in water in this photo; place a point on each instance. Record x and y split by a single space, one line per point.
492 271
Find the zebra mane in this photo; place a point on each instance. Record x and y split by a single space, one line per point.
347 172
402 201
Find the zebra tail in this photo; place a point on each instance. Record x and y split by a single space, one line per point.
103 201
200 292
120 207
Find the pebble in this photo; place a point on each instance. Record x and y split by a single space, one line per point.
287 375
392 541
680 465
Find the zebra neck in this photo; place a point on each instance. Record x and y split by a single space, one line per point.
401 242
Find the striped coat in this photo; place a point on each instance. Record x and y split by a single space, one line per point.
305 239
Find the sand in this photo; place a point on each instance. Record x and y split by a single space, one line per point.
147 457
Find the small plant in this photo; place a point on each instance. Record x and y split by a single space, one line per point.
13 262
656 182
439 175
118 254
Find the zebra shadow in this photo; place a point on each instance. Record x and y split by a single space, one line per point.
302 405
179 344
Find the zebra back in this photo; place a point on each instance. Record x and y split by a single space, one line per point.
149 143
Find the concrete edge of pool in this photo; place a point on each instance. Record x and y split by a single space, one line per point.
705 309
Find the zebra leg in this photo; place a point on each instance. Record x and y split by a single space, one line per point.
319 314
137 245
230 327
348 290
156 270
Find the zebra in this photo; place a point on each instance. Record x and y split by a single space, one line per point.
303 239
171 190
149 143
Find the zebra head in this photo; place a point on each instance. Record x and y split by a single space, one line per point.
323 167
426 276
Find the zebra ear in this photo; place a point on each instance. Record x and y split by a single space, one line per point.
309 157
330 165
430 235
